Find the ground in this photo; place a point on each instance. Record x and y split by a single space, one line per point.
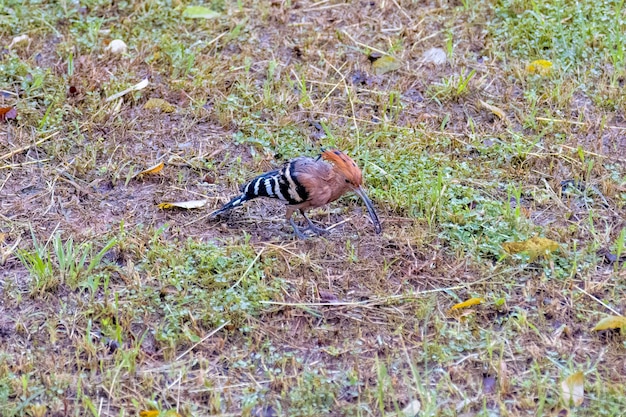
112 305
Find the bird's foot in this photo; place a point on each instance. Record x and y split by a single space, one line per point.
317 230
297 231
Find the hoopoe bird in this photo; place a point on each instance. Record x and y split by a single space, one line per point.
306 183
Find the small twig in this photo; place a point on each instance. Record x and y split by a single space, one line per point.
373 301
23 148
602 303
332 226
574 122
364 45
13 166
345 83
248 269
203 339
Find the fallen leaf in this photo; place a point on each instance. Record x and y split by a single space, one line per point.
152 170
611 322
467 303
495 110
200 12
38 410
573 389
193 204
159 104
503 378
385 64
540 66
117 46
19 39
435 56
412 409
157 413
7 113
139 86
533 247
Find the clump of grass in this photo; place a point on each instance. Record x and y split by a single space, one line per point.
212 283
576 34
63 263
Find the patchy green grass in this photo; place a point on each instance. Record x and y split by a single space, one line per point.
112 306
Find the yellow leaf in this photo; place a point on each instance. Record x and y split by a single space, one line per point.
38 410
533 247
540 66
385 64
611 322
157 413
495 110
200 12
573 389
467 303
159 104
152 170
183 204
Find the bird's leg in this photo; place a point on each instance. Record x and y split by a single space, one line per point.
296 230
312 227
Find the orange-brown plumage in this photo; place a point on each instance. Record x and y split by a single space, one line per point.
305 183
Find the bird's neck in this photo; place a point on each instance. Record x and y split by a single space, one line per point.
338 184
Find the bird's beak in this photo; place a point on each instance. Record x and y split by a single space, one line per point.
370 209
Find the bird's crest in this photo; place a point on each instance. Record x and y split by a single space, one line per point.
345 165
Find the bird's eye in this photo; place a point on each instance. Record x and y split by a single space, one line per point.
347 181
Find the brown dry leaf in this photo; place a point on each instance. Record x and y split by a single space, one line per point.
7 113
533 247
194 204
611 322
467 303
385 64
503 378
573 389
152 170
495 110
159 104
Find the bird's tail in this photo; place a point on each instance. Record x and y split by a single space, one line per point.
235 202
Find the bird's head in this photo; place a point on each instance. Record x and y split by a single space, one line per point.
354 179
344 164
